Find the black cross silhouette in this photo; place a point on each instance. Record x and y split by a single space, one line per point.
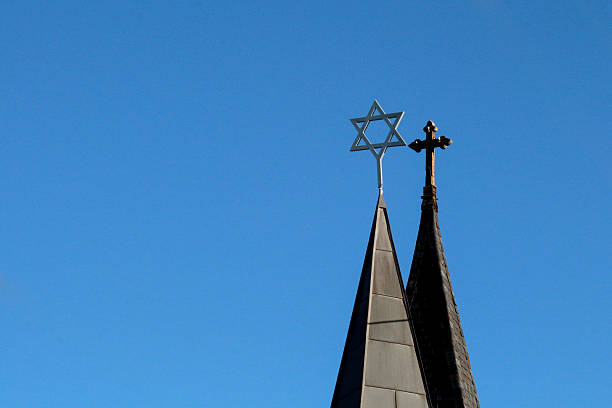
429 144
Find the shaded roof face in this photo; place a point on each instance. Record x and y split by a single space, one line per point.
379 367
435 319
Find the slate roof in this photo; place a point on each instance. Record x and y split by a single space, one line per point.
379 367
435 319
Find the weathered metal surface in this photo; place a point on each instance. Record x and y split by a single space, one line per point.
393 366
410 400
379 359
378 398
382 285
388 320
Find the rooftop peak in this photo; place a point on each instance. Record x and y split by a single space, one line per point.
381 201
380 367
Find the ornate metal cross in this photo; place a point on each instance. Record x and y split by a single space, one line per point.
430 143
361 124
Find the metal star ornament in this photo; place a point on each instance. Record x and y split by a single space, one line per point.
377 149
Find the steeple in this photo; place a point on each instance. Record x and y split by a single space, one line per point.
431 302
379 367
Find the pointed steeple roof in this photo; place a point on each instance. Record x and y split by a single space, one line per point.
379 367
435 319
431 301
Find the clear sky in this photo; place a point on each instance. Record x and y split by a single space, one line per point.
183 224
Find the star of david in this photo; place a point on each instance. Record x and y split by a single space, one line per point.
393 137
361 124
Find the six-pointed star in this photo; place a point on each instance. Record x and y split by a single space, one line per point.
388 141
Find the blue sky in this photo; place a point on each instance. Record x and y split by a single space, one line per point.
183 224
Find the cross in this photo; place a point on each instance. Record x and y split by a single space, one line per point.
430 143
361 124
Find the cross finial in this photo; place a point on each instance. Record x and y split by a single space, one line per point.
361 124
430 143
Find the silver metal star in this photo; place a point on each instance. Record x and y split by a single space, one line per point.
361 124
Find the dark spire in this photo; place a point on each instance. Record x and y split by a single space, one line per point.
379 367
431 302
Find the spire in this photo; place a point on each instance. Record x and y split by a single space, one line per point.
431 303
379 367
